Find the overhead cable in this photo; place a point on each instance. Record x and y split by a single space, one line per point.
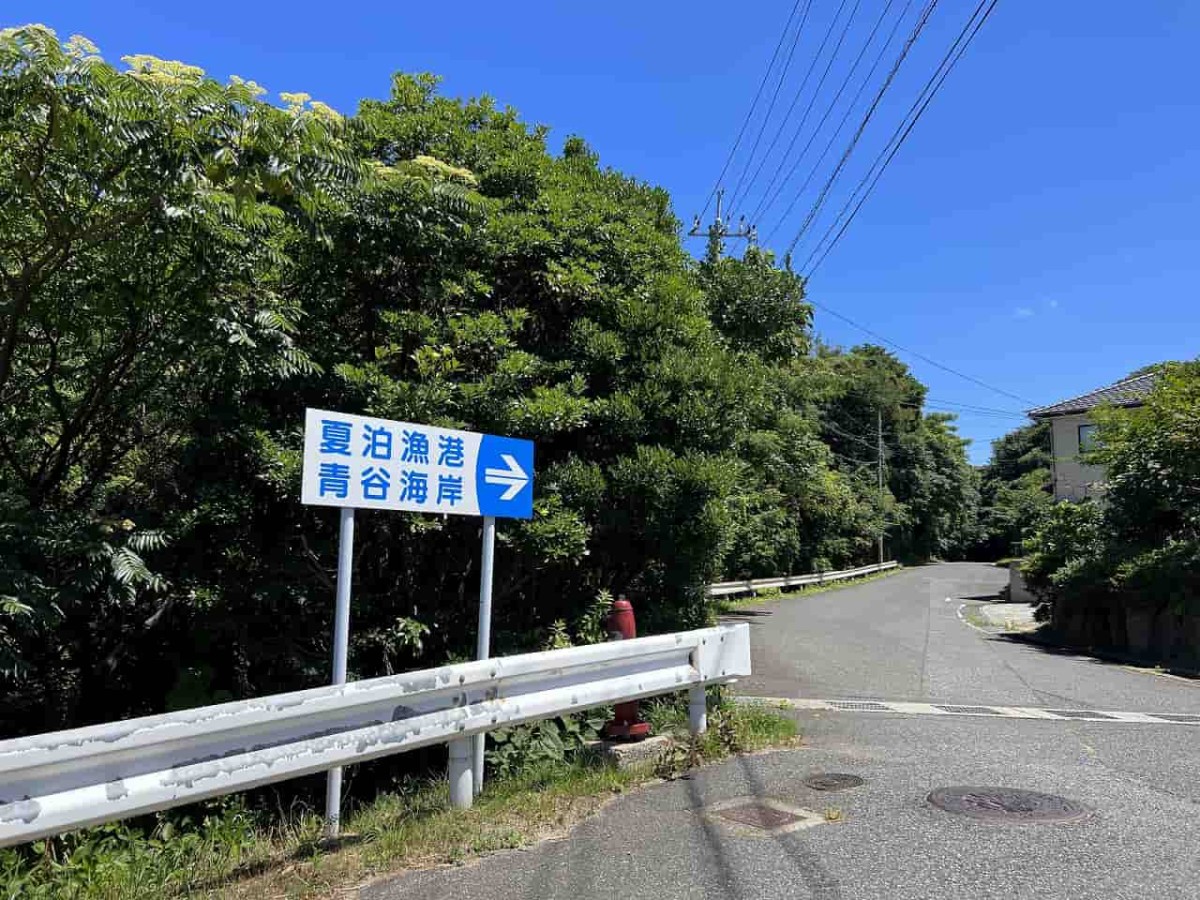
750 114
770 106
914 353
769 198
887 83
804 83
871 179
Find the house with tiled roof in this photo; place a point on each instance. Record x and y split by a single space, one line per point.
1073 431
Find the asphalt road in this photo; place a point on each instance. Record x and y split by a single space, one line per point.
902 638
898 639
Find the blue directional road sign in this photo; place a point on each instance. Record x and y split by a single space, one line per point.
370 463
504 477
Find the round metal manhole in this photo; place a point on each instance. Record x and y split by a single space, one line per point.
1011 806
832 781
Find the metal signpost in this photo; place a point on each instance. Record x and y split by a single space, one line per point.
360 462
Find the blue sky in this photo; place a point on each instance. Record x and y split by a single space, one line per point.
1038 230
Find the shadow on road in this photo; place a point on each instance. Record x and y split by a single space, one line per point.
1043 641
805 861
712 839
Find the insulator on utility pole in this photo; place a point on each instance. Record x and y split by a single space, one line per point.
719 229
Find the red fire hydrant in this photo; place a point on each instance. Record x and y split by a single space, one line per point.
626 724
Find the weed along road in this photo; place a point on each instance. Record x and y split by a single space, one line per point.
981 767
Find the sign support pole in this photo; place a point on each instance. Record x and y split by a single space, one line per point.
483 648
341 647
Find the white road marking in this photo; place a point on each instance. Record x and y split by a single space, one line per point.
969 624
987 710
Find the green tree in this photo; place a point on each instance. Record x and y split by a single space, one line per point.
1142 543
142 224
931 491
187 267
1015 491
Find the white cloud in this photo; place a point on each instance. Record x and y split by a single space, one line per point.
1023 312
1054 304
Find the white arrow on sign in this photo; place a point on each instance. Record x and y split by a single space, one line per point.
513 476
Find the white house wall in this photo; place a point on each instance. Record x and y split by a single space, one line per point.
1073 480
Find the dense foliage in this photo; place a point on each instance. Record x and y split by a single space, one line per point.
185 267
1141 544
1015 490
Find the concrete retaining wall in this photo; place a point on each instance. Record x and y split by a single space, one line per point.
1018 591
1153 633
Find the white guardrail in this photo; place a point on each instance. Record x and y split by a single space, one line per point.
68 779
728 588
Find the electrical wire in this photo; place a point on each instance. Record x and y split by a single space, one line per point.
774 97
975 407
826 424
887 83
803 84
859 464
749 115
914 353
970 414
768 199
935 405
871 179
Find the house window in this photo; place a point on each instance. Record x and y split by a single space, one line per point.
1087 438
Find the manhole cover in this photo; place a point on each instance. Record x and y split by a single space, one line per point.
1182 718
832 781
759 815
971 710
1007 805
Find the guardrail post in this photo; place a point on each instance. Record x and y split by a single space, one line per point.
462 792
697 709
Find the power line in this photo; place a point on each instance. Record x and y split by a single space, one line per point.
949 61
975 407
858 463
966 409
825 117
768 199
914 353
971 414
902 132
803 84
887 83
841 123
750 114
847 435
774 97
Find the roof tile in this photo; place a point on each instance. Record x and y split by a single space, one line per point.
1128 392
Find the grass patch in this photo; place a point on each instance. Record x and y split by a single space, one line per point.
229 853
727 605
975 616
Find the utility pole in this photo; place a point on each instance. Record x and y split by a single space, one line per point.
879 432
719 229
